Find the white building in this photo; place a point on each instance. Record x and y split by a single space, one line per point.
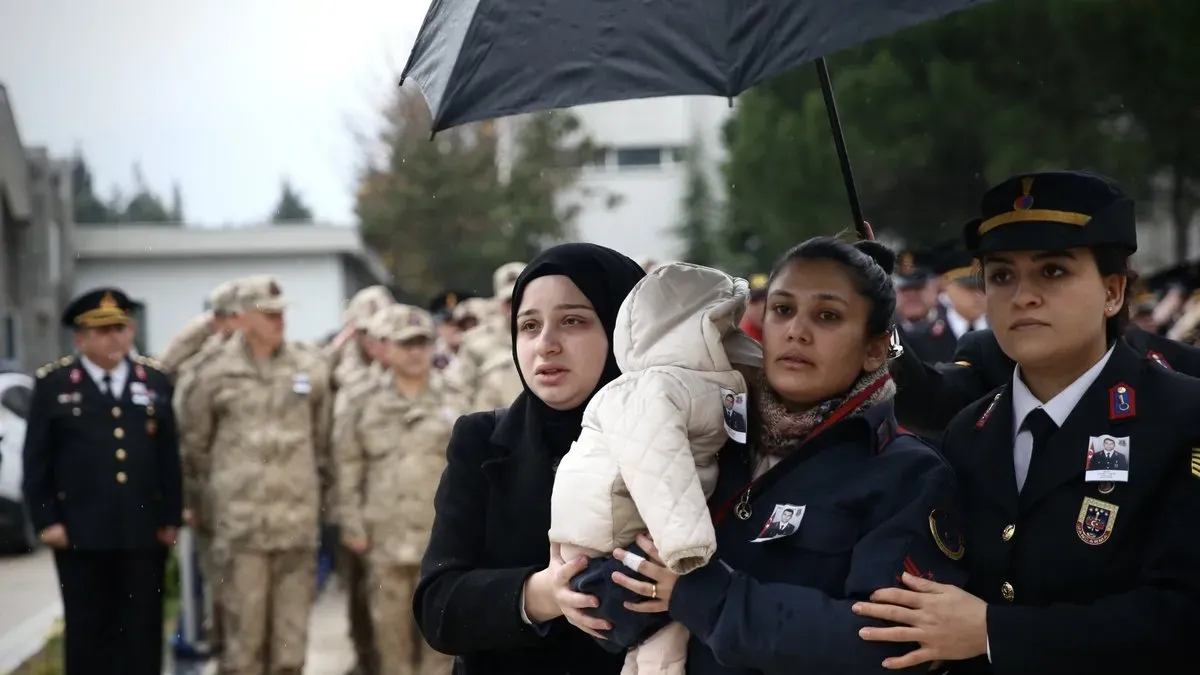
172 269
643 144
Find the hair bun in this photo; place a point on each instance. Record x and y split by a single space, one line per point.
882 255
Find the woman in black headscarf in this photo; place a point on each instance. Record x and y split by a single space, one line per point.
486 593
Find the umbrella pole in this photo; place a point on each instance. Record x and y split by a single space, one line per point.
839 142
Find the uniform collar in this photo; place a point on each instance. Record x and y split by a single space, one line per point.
118 374
1059 407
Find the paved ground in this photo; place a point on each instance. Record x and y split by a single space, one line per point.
29 606
30 609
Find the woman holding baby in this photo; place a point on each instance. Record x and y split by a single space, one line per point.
826 501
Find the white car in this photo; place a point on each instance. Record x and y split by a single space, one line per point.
16 395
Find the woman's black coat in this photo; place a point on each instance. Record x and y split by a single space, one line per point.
489 536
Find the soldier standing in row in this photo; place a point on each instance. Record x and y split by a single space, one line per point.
200 330
484 372
351 351
353 565
920 317
102 482
390 451
197 502
258 419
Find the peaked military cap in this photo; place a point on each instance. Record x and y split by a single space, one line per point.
953 263
1052 211
99 307
913 268
442 305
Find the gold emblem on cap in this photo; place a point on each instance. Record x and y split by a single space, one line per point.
906 263
108 301
1025 201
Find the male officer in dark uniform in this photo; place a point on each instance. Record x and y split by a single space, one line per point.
102 481
919 315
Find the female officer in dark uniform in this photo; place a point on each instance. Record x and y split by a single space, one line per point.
1070 570
827 503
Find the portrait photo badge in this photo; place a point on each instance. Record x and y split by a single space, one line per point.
784 522
1107 459
734 409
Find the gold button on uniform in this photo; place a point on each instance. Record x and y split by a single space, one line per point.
1007 592
120 454
116 411
1009 531
121 477
119 432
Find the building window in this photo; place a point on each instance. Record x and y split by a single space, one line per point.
630 157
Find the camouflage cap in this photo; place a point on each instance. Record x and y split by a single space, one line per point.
504 280
398 323
479 308
365 304
261 293
223 299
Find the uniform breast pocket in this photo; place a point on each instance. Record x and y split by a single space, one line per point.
820 551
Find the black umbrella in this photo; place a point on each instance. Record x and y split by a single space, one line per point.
479 59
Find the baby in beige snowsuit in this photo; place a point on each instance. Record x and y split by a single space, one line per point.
646 459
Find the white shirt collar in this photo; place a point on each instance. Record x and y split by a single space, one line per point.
959 324
1059 407
118 374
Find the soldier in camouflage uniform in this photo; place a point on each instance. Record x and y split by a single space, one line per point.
200 330
483 371
258 421
197 504
350 352
390 452
351 565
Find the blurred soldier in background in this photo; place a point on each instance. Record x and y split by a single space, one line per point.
188 341
920 317
756 308
350 352
197 502
390 452
258 421
351 565
483 372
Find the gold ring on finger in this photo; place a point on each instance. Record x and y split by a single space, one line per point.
653 591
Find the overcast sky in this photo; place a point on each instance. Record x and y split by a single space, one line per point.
224 96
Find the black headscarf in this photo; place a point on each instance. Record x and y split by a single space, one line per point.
605 277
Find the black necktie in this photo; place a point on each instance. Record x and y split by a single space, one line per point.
108 386
1039 424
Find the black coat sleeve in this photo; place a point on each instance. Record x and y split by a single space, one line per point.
40 485
462 606
929 396
170 474
778 628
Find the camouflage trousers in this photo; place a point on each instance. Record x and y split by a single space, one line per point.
210 570
353 571
402 650
266 598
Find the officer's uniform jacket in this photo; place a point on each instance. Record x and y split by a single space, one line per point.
929 396
1086 577
106 470
932 339
390 451
260 432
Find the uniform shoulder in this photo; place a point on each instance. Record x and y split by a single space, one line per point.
149 363
54 366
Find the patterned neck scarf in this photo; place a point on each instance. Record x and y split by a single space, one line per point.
782 430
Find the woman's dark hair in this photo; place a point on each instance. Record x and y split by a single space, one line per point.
870 265
1115 260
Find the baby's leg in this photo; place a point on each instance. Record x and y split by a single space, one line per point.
664 653
571 552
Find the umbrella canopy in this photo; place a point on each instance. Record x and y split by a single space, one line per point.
479 59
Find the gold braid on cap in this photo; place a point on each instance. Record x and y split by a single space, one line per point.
106 313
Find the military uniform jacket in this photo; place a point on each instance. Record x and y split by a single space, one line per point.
1086 577
929 396
932 340
106 470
